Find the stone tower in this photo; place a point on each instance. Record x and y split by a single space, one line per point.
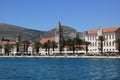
18 37
59 37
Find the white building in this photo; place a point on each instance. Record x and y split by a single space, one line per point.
110 35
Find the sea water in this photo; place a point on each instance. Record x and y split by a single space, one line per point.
59 69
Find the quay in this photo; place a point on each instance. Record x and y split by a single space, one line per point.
83 56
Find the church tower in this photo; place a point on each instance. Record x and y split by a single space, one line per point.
18 37
59 37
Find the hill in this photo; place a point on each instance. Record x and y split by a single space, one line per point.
9 31
66 29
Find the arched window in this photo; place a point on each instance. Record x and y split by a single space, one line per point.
95 44
110 43
113 37
113 49
106 43
113 43
109 36
106 36
110 49
104 50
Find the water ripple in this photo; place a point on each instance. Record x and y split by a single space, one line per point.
59 69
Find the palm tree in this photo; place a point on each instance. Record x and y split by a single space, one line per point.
47 46
37 46
0 49
78 42
86 46
53 45
101 39
26 45
118 42
7 48
0 46
17 46
69 44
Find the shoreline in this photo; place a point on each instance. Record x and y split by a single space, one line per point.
84 57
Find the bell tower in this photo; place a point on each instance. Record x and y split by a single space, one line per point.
18 37
59 36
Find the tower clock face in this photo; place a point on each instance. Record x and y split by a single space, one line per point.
99 32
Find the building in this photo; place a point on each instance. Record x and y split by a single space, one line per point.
110 35
59 37
44 40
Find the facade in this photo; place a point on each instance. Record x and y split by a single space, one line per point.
109 34
58 38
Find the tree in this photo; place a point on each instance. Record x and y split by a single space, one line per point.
78 42
17 46
37 46
26 45
69 44
0 49
101 39
118 42
53 45
8 48
0 46
47 46
86 46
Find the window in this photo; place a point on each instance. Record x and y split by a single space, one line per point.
95 44
106 37
104 50
110 43
113 43
88 38
113 37
109 36
106 43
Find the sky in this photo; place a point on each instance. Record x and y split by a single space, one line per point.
82 15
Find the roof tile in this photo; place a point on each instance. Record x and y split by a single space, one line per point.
43 40
105 30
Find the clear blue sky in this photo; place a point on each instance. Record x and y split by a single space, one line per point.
82 15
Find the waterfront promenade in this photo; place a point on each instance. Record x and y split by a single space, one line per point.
83 56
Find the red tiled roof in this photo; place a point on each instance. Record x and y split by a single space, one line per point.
12 42
6 42
43 40
113 29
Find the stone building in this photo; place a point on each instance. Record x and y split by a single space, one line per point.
110 35
59 37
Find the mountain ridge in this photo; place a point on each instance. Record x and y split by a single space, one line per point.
10 31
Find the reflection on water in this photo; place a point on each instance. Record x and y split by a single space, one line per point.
59 69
